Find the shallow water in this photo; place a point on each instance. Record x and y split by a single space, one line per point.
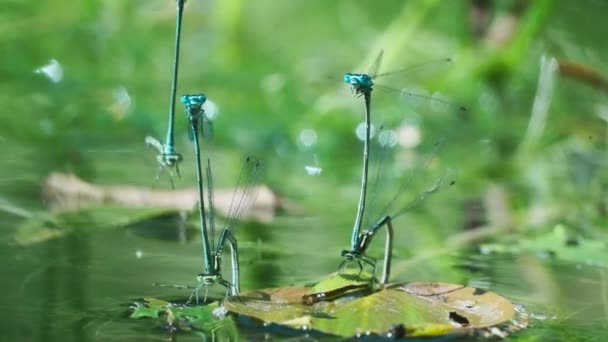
79 287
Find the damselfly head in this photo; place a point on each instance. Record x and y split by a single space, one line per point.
358 80
361 84
348 78
194 103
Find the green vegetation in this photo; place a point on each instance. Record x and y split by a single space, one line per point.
526 218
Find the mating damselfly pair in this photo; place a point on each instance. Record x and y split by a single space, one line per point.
362 85
364 229
243 197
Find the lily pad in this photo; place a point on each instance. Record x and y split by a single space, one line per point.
276 305
206 318
348 282
417 309
349 277
481 308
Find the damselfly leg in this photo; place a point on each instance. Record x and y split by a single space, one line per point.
167 158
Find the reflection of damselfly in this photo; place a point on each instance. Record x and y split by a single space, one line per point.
362 84
167 156
242 198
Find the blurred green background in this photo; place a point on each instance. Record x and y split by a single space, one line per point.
84 82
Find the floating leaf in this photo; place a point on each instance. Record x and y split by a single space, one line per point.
349 282
349 277
481 308
276 305
206 318
145 312
414 309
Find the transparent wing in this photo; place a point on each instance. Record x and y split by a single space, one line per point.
379 155
207 131
428 67
447 178
245 192
373 70
410 85
210 198
427 177
205 127
419 99
190 130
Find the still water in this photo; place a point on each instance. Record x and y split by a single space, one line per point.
79 287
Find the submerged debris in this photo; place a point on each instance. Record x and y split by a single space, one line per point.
68 192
